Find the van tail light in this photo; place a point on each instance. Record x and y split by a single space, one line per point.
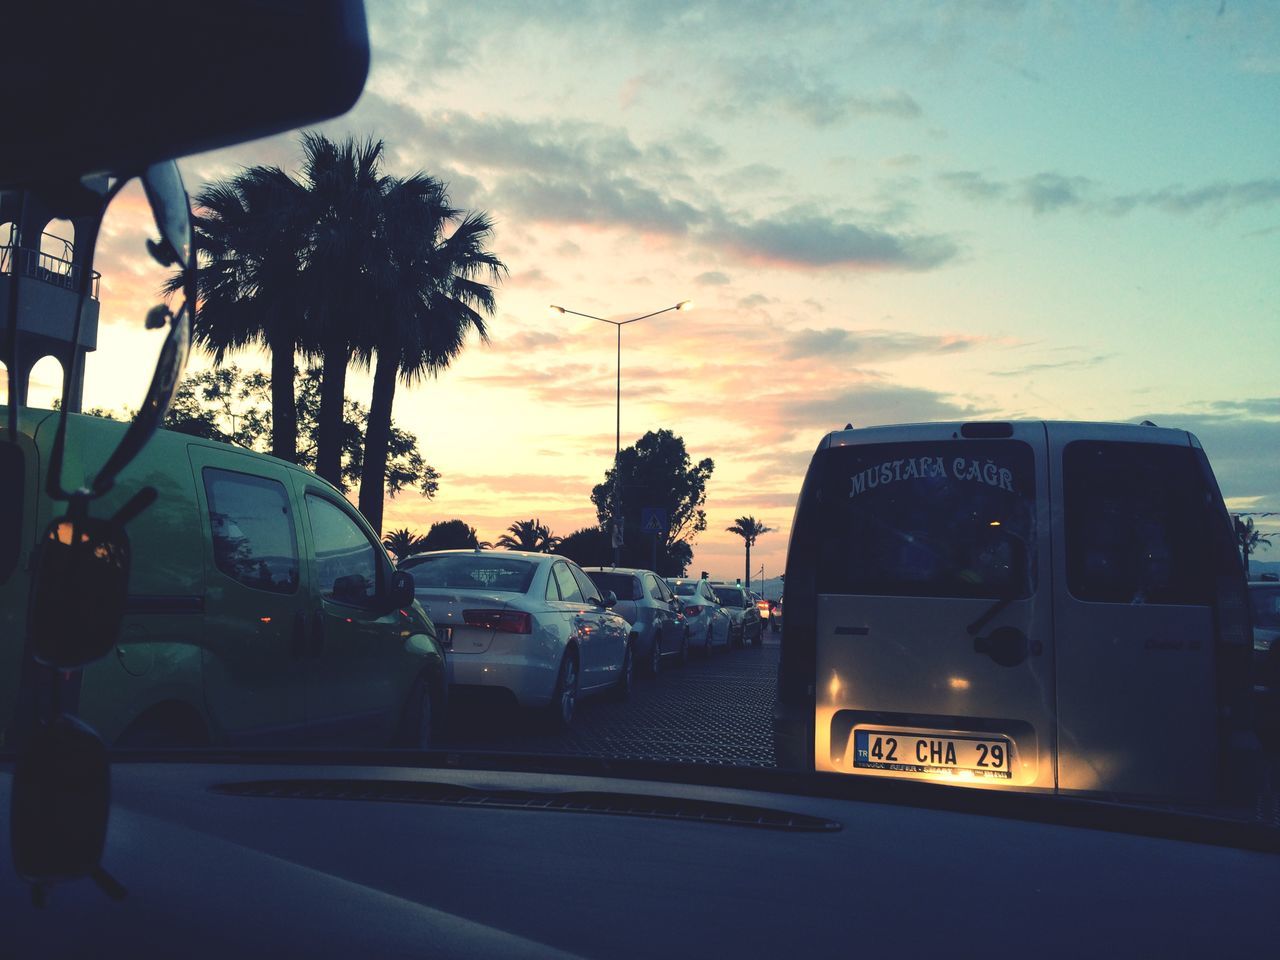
692 611
503 621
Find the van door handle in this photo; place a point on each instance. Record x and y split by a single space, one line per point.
317 635
298 642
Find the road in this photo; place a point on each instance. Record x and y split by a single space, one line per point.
713 710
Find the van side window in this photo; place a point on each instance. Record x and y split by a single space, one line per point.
347 563
252 526
1138 521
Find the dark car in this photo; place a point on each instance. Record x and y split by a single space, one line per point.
746 624
647 603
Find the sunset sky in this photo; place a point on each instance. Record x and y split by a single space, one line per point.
884 213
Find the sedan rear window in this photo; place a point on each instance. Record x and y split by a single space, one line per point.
686 589
730 597
929 519
623 585
469 571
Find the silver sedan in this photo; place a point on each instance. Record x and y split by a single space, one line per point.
530 624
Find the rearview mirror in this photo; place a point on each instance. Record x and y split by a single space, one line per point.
609 599
74 105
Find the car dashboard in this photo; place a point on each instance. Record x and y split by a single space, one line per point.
302 859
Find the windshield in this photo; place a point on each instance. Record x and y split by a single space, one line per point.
622 584
956 321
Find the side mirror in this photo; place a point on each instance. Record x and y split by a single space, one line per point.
610 599
401 592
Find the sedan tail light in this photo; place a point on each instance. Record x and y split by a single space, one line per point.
503 621
692 611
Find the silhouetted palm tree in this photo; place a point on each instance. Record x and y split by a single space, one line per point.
748 528
401 543
1249 539
427 297
345 189
252 231
530 535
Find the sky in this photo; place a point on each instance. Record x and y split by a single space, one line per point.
884 213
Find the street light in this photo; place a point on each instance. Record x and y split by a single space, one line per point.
617 445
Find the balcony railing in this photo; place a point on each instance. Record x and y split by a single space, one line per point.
45 267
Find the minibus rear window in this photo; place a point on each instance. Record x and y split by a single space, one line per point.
929 519
1137 523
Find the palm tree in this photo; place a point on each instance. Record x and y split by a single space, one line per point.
251 233
427 300
345 189
748 528
1249 539
530 535
401 543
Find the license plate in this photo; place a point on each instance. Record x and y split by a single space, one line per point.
932 755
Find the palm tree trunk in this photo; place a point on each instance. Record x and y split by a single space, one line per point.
284 411
746 578
377 437
333 389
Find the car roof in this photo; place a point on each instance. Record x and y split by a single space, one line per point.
882 433
519 554
634 571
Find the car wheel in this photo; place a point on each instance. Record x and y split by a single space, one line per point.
422 732
564 702
419 725
626 676
655 655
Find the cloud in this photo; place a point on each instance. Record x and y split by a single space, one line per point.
973 185
874 404
712 278
871 346
801 237
1050 192
1216 196
593 174
1046 192
754 300
526 341
803 92
1031 368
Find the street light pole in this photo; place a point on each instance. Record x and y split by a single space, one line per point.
617 441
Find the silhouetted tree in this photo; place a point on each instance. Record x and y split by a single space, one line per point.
657 472
1249 539
748 528
452 535
532 535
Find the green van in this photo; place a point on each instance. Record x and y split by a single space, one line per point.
261 607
